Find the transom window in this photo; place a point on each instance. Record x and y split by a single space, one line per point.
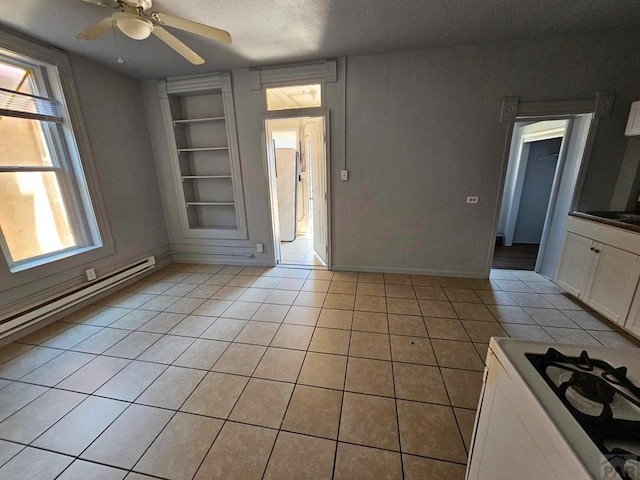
297 96
45 210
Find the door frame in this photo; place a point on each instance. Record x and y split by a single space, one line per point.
268 169
513 110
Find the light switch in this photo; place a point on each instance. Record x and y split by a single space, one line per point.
260 247
344 175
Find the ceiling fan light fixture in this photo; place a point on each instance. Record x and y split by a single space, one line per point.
133 26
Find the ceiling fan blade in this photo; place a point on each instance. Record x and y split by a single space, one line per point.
177 45
193 27
100 3
96 30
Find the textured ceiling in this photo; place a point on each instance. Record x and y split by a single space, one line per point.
284 31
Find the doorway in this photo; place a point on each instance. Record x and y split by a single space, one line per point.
544 160
297 165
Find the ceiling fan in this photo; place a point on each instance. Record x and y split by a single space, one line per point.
135 23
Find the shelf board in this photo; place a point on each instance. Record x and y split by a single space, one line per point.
202 149
188 121
209 204
196 177
214 227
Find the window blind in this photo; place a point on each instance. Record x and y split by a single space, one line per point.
24 105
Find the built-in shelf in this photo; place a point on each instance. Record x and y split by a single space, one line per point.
202 149
196 177
210 204
188 121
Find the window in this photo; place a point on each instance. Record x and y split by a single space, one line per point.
45 210
299 96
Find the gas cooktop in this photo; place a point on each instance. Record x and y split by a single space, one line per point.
602 399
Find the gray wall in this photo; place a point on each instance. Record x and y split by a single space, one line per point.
534 200
115 119
423 132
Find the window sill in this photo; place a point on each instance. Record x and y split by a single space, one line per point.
51 258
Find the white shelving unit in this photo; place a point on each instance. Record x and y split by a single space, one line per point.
201 131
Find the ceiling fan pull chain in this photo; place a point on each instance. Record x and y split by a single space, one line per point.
115 39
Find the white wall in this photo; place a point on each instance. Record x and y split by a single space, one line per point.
115 120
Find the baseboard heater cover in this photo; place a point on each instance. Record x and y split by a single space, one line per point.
46 308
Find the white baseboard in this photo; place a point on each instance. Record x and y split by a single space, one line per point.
408 271
218 260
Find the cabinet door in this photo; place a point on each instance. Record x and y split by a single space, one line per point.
613 281
575 264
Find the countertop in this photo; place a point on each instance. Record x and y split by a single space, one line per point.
601 217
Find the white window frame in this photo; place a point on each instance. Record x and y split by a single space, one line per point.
70 145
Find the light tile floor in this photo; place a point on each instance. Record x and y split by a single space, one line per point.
300 251
211 372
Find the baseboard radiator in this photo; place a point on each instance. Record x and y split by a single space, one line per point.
46 308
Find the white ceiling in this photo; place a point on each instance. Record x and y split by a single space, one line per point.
284 31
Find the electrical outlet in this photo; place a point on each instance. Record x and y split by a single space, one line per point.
90 273
260 247
472 199
344 175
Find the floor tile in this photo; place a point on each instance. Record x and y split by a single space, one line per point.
431 431
399 291
434 308
133 345
315 285
612 339
203 291
72 336
493 297
239 359
424 281
456 355
333 318
75 432
257 333
571 335
179 450
280 364
34 464
134 319
131 381
192 326
369 303
12 350
171 388
224 329
466 419
314 411
418 468
527 332
298 457
257 295
517 286
345 276
407 325
293 336
466 295
446 328
412 350
262 403
8 450
339 301
323 370
83 314
45 333
159 303
31 421
58 369
370 345
473 311
17 395
270 313
430 293
355 462
453 282
216 395
240 451
124 442
530 300
346 288
374 377
310 299
511 314
370 289
167 349
463 387
186 305
419 382
106 317
397 279
27 362
588 320
547 317
370 322
101 341
290 284
330 340
302 316
241 310
483 331
403 306
212 308
282 297
369 420
370 277
94 374
564 302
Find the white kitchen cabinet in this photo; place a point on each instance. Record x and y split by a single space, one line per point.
602 275
575 263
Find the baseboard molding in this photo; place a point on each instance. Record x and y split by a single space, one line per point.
407 271
217 260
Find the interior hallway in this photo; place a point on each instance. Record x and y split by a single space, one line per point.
300 251
211 372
